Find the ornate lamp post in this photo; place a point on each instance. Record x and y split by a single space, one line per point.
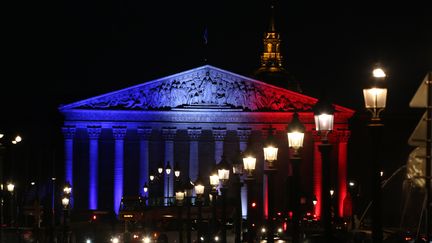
223 173
295 141
270 156
199 191
375 102
67 192
10 188
214 182
249 163
324 115
188 199
237 167
179 196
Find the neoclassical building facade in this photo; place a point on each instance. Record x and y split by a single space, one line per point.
190 119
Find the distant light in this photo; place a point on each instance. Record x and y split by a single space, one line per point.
202 238
331 192
351 183
263 230
88 241
381 173
14 142
254 204
18 138
32 183
279 230
1 135
115 240
216 238
10 187
53 178
146 240
378 73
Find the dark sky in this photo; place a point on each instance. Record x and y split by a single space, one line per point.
58 52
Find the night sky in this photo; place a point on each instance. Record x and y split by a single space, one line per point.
59 52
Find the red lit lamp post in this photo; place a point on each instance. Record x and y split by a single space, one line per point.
375 102
324 115
295 141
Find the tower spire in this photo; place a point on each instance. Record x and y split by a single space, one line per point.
271 68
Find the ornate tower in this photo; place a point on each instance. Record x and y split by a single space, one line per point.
271 69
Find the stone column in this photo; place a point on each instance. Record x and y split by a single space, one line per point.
219 136
194 134
243 134
343 137
93 134
317 173
68 133
119 134
168 134
144 134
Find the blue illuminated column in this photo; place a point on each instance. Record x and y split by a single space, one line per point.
219 136
194 134
168 134
243 135
93 134
144 136
68 133
119 134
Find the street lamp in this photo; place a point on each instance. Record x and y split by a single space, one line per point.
237 168
199 192
223 173
66 203
179 196
295 136
214 182
375 102
10 188
270 156
249 163
324 115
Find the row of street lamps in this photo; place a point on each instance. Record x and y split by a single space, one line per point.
375 100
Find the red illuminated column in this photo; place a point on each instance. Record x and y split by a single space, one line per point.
317 174
343 137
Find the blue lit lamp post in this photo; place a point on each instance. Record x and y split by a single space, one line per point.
237 167
223 174
199 191
270 156
249 163
295 141
375 102
324 115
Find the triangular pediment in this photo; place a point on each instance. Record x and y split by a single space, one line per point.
202 87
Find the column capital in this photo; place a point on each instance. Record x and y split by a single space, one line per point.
343 135
243 133
168 133
94 132
119 132
194 132
68 132
144 133
219 133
